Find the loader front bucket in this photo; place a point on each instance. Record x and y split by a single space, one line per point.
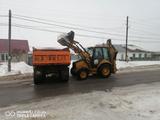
66 39
63 41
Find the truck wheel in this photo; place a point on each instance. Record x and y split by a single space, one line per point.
64 75
73 72
38 79
82 74
104 71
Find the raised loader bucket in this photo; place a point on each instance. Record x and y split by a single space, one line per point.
63 42
66 39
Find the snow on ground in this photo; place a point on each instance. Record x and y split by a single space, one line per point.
23 68
123 64
139 102
17 68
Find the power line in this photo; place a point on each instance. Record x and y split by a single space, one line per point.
82 28
81 35
147 21
100 28
143 37
3 16
153 36
76 28
134 32
142 41
144 26
47 30
71 27
144 31
41 19
141 23
30 27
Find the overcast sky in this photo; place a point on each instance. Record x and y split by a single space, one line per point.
105 16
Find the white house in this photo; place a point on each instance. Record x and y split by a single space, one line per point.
133 52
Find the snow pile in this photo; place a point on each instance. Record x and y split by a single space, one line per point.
139 102
123 64
17 68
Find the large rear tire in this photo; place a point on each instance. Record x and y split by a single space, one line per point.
82 74
39 76
104 71
38 79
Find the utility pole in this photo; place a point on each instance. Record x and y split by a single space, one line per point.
126 56
9 41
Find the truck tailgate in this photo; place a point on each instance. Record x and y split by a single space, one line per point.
55 57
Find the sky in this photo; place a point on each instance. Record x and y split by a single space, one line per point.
93 21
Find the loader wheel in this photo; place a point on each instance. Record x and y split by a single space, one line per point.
82 74
104 71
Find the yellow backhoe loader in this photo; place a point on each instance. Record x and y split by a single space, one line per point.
99 60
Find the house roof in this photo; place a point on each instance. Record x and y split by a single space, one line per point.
134 48
120 48
130 48
15 44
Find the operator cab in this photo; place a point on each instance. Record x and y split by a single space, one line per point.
97 54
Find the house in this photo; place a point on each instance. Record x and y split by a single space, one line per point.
133 52
19 50
155 55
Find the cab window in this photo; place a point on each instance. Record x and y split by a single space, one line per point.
98 53
105 53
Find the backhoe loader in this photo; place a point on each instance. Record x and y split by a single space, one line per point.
99 60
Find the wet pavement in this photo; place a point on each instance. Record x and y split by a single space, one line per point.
26 91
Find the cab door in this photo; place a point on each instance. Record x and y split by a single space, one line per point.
97 56
106 55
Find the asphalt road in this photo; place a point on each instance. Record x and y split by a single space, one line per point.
26 91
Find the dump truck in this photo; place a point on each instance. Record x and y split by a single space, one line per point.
48 62
99 60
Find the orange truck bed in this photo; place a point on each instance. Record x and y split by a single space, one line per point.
51 57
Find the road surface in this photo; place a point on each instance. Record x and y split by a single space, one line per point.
26 91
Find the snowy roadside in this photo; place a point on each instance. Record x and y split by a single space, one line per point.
130 64
139 102
17 69
21 68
